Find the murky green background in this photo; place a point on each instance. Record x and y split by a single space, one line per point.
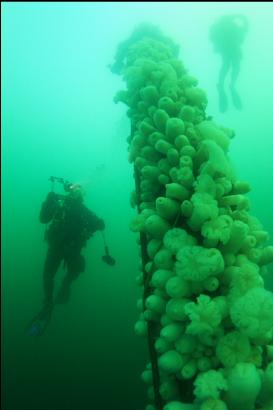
58 118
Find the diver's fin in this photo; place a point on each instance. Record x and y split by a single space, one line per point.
223 101
39 323
236 99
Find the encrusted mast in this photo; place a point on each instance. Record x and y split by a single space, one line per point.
205 311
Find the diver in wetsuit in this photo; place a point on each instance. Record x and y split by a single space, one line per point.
227 36
72 224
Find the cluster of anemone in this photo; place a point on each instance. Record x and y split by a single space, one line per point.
206 251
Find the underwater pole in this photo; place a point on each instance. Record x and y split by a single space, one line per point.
203 253
151 326
152 331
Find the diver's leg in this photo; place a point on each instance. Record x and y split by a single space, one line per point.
223 102
40 322
226 63
235 70
75 265
52 263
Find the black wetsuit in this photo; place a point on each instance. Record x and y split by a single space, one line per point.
72 224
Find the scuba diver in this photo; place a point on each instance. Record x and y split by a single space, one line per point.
227 35
71 224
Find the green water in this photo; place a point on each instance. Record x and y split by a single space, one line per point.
58 118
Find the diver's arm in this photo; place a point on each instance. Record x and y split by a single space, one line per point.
49 207
93 223
96 224
100 224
